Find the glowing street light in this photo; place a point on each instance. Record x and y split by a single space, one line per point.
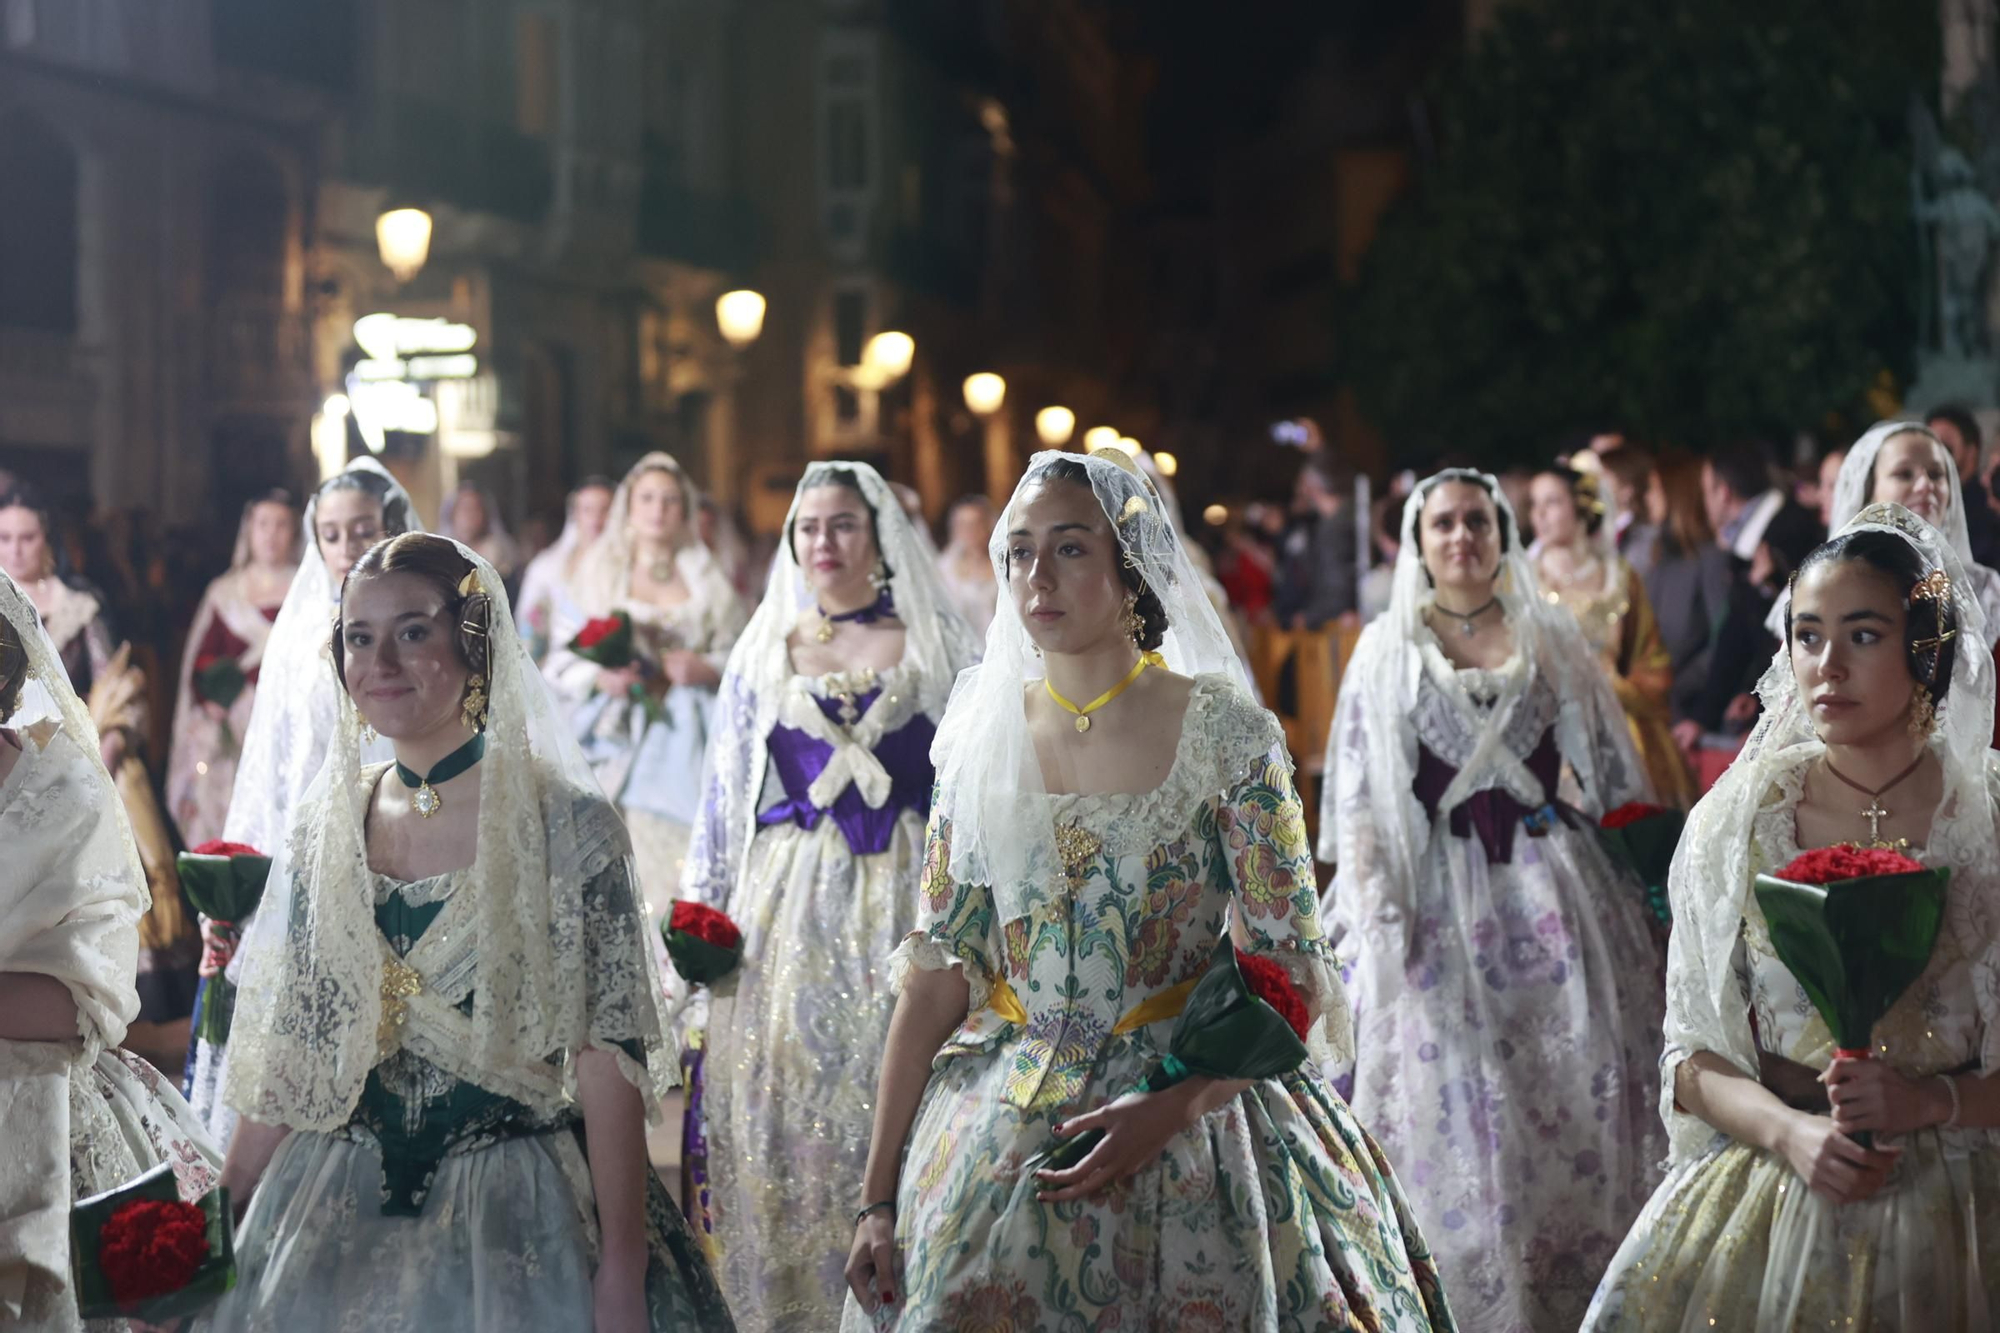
740 316
984 393
1131 447
403 237
1055 425
1100 437
1166 463
1215 515
889 354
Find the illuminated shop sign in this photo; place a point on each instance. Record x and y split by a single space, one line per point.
414 349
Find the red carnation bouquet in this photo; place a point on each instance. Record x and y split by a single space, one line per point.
1643 837
610 643
1243 1019
1855 925
704 944
138 1252
224 881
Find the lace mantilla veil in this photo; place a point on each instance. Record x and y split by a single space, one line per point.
294 708
937 645
1710 881
69 910
604 572
558 967
989 782
1372 826
1850 495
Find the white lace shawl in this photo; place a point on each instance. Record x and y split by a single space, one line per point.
1851 493
71 895
293 712
1710 882
545 931
758 679
72 891
1372 827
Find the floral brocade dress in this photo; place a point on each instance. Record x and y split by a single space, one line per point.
1506 1051
1274 1212
782 1098
1734 1240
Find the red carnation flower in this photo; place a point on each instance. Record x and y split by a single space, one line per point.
1630 813
1828 865
151 1248
1268 982
705 923
597 631
220 848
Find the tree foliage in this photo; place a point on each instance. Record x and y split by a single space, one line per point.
1688 220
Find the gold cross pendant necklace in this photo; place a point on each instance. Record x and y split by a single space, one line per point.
1875 813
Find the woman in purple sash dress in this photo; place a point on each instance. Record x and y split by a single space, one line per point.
1508 992
811 838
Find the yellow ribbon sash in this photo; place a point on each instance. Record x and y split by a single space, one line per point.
1155 1008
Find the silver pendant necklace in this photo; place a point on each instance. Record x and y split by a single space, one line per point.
1466 619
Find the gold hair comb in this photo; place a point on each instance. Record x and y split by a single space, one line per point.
1932 587
1134 505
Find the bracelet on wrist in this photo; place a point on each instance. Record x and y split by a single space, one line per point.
886 1204
1951 1086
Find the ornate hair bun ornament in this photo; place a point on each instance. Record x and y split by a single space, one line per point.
1134 506
1589 471
1932 587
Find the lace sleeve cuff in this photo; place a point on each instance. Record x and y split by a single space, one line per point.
921 952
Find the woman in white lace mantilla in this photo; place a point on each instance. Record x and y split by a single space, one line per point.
1112 805
82 1116
647 751
1878 710
1505 981
548 587
818 783
1905 463
450 1034
222 663
290 722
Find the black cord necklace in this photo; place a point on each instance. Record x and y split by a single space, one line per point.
1465 619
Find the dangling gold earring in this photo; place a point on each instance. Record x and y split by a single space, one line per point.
475 705
1923 713
878 577
1135 624
367 733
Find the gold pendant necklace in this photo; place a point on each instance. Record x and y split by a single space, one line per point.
1875 813
1083 713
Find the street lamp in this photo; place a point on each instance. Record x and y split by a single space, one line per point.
1055 425
1100 437
984 393
889 354
1129 446
1166 463
740 316
403 237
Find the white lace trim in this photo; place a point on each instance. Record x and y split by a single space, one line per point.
1225 738
920 953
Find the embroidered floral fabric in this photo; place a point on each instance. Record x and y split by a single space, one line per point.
1276 1211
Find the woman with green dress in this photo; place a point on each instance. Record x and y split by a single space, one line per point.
449 1035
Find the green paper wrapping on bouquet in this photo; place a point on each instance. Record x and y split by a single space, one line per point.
1644 837
220 680
1855 945
225 887
1225 1031
703 944
214 1275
